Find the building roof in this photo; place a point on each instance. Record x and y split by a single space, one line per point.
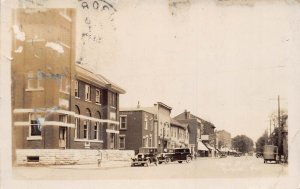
176 123
183 115
86 74
164 105
135 109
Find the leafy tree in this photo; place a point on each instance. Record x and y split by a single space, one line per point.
261 141
242 143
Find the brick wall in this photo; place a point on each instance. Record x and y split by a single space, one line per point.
70 157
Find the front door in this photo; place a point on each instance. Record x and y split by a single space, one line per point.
62 132
62 137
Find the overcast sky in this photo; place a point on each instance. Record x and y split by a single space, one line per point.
224 64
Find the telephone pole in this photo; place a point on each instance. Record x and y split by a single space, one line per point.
279 130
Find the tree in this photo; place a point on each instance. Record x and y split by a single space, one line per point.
261 141
242 143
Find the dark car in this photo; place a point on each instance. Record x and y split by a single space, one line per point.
259 154
237 154
145 157
180 155
164 158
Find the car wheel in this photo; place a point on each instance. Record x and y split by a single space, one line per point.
179 161
167 160
188 159
148 163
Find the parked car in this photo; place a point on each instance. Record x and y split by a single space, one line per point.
237 154
180 155
259 154
223 155
164 158
145 157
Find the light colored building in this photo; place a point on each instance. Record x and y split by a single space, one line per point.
179 134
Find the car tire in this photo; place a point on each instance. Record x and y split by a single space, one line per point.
148 163
160 162
188 159
179 161
167 160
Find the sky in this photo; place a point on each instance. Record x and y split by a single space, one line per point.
225 64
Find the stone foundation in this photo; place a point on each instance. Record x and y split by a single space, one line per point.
71 156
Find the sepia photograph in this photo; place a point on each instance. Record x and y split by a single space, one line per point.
144 94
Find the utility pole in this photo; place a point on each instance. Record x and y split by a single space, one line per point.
271 142
279 129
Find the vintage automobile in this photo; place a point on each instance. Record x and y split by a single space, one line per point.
259 154
270 153
164 158
145 157
237 154
179 155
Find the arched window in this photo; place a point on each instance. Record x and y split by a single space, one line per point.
97 127
86 124
77 123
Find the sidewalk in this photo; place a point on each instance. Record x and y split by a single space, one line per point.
103 165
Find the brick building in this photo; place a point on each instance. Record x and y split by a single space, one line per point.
57 104
137 127
195 130
160 134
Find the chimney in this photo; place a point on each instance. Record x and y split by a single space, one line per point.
187 114
138 105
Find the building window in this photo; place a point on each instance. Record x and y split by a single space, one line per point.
64 84
122 141
113 99
97 96
76 89
33 81
146 123
96 131
123 122
87 93
35 125
145 142
150 141
85 129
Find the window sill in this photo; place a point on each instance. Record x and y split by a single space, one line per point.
77 97
113 107
34 138
35 89
87 140
88 100
98 103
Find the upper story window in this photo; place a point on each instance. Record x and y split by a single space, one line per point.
123 122
87 92
113 100
64 84
76 89
146 123
98 96
34 82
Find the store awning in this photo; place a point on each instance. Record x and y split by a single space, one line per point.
210 147
201 146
